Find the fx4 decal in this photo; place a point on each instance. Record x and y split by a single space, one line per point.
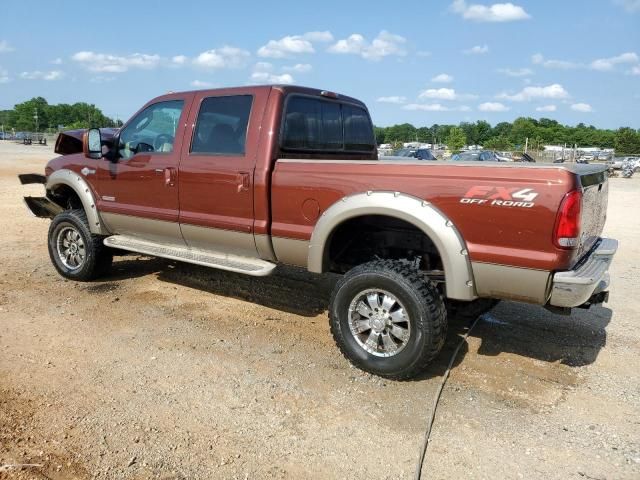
500 196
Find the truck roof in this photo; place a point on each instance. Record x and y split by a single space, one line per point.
286 89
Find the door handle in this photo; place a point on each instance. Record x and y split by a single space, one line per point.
244 182
170 175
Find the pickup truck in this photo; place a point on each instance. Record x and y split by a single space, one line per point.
244 179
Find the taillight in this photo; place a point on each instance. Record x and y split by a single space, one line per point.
567 231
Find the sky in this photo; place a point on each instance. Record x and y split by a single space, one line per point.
421 62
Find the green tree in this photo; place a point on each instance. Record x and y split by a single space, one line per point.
456 139
627 141
500 143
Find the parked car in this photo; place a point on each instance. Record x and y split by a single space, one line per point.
244 179
476 156
420 153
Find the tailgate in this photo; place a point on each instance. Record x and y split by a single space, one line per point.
595 184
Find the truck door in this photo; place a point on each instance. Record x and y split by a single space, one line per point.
138 191
217 168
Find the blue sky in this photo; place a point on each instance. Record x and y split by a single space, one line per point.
421 62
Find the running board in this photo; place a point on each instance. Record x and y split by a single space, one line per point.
222 261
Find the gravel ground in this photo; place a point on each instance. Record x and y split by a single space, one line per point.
164 370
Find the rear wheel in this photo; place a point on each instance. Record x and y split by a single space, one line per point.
75 252
387 320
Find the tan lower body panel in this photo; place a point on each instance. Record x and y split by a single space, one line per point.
511 283
290 251
228 241
145 228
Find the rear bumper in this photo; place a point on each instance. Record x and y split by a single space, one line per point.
589 282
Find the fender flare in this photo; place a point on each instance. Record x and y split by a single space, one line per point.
80 186
420 213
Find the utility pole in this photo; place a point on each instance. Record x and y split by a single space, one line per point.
526 144
35 116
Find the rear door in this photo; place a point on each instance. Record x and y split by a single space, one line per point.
217 169
138 192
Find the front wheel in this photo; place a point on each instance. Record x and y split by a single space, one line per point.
75 252
387 319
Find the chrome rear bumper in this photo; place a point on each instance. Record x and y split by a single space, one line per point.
574 288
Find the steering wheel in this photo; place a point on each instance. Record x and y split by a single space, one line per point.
161 140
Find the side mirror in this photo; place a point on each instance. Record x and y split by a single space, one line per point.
92 143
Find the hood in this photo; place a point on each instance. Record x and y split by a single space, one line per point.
71 141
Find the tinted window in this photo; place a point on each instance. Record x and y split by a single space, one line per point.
314 124
358 134
152 130
221 127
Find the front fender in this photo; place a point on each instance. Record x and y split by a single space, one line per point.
422 214
82 189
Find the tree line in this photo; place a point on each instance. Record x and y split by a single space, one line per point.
22 118
512 135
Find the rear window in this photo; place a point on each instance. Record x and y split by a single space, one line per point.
221 128
312 124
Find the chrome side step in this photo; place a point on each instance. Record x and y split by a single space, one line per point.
222 261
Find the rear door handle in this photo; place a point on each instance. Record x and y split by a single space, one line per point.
244 182
170 175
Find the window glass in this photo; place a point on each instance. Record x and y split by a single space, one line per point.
358 134
152 130
315 124
222 125
312 124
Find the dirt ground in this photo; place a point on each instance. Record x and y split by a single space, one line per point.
164 370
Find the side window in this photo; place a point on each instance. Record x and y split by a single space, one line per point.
358 134
315 124
312 124
152 130
221 128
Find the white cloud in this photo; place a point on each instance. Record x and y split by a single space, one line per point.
298 68
225 57
325 36
427 107
442 78
439 93
285 47
634 70
56 61
539 59
398 100
103 62
607 64
179 60
293 44
266 77
477 50
385 44
492 107
4 76
555 91
546 108
444 94
498 12
581 107
201 84
263 67
38 75
520 72
5 47
630 6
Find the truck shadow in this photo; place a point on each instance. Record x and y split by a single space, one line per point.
512 328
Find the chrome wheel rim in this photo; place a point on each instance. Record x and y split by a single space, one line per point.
70 247
379 322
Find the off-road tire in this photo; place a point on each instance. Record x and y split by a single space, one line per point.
422 302
97 258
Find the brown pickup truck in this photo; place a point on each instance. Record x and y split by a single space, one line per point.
243 179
